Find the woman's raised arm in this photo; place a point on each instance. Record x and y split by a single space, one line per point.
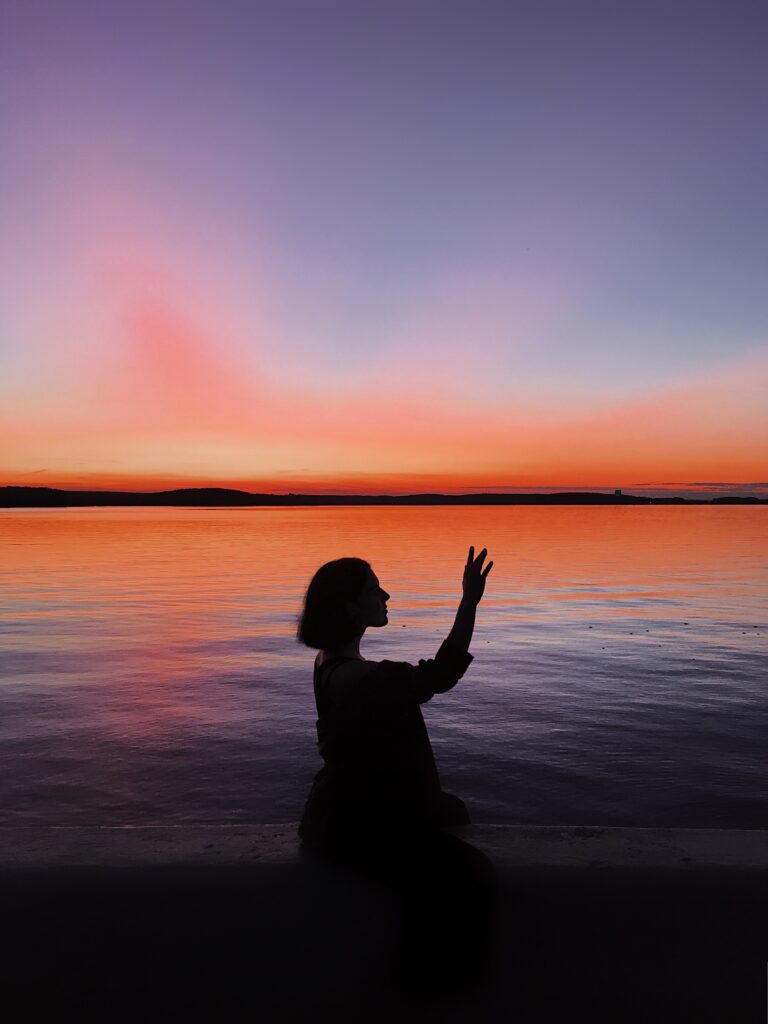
473 585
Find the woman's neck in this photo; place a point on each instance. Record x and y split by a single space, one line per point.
348 650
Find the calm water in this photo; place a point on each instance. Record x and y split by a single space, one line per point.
150 673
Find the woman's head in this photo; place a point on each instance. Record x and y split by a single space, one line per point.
342 599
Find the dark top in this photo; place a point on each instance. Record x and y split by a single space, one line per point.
379 769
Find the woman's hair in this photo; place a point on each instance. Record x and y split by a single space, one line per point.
324 622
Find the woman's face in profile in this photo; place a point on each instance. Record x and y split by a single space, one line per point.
372 603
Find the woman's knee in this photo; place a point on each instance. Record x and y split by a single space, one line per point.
452 811
457 868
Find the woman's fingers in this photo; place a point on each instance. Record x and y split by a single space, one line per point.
474 579
471 560
476 563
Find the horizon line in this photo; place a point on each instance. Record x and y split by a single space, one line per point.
25 495
694 486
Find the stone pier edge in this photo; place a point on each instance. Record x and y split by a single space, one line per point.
516 846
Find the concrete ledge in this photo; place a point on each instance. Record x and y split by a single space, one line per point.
222 923
683 849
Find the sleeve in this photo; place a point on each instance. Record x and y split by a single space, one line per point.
398 683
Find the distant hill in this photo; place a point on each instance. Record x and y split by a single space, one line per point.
51 497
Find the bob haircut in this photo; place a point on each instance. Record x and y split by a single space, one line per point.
324 622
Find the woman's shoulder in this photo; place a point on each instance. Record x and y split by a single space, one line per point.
344 665
346 675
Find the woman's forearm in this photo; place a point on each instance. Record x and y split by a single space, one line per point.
461 633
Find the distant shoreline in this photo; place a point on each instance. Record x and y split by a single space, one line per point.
52 497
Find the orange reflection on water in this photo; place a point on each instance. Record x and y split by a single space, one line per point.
202 562
153 599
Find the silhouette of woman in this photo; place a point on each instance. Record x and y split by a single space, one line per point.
377 807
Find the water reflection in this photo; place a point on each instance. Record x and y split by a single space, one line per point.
150 672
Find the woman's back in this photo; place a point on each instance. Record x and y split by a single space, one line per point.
379 770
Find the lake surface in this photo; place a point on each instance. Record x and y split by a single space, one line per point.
149 670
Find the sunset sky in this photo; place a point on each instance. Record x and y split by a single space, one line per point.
382 246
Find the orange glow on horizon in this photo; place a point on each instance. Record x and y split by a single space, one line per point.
168 405
369 484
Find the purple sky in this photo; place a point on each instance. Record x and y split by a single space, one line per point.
533 205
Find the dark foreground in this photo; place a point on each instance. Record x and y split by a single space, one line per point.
250 932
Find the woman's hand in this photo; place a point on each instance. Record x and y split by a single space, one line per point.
474 580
